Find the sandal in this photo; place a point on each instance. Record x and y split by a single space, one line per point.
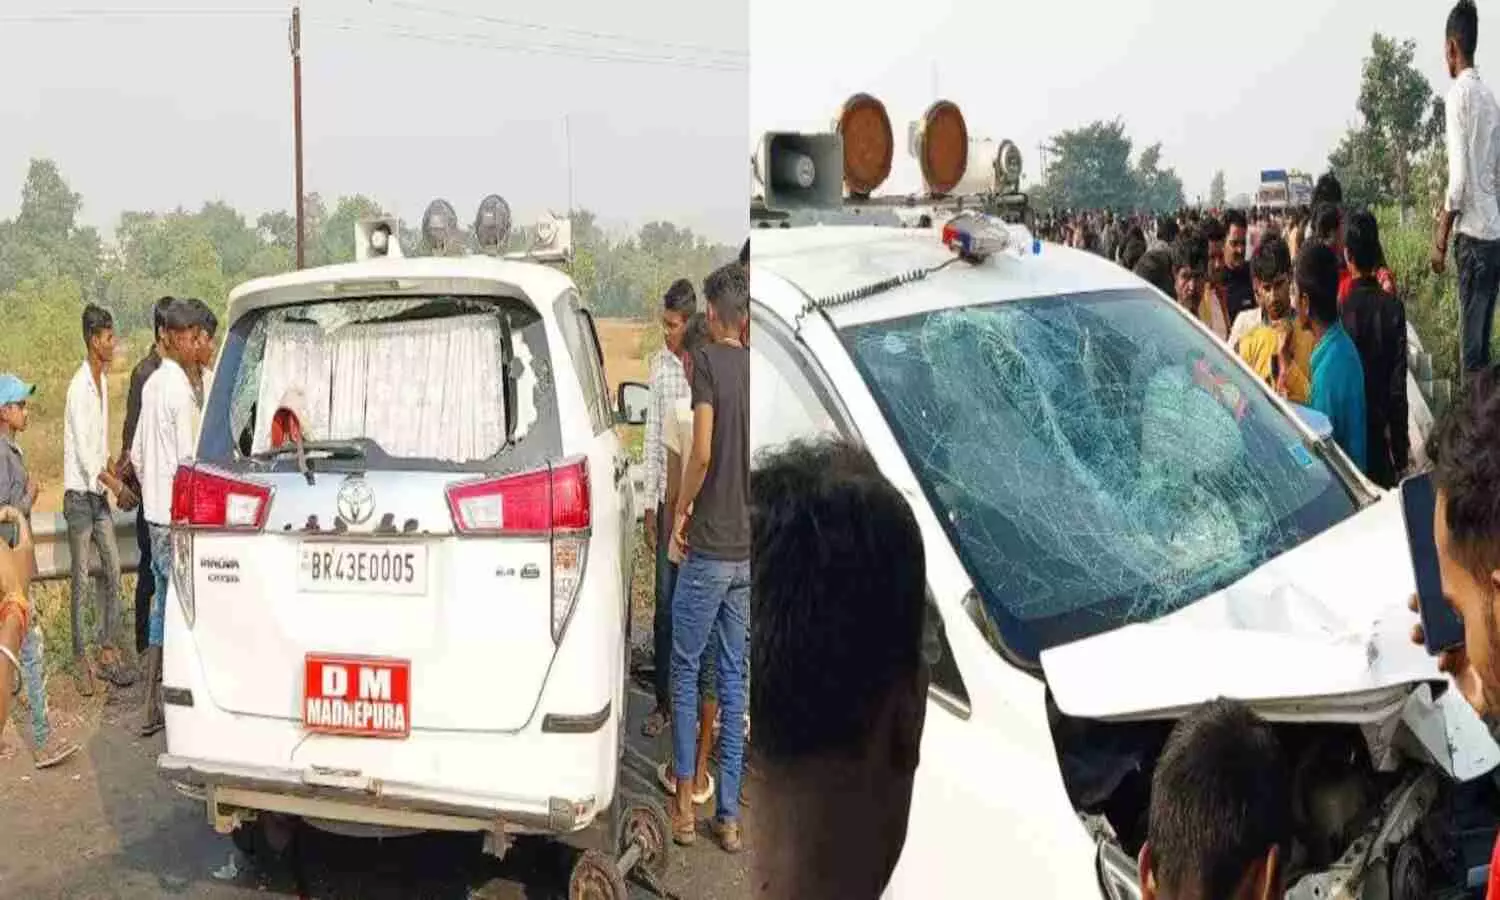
728 835
684 829
655 724
669 784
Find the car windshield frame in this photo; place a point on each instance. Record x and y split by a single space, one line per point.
1189 366
219 440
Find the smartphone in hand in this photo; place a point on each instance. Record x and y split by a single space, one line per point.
1442 629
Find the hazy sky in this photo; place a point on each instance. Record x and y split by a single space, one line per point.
157 105
1242 87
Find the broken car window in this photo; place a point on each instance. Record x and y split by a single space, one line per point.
1096 460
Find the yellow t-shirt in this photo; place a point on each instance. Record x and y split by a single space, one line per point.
1261 344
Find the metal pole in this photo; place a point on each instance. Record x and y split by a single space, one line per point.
297 127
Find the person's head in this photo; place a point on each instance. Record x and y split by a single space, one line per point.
14 396
837 633
677 306
1134 249
1189 268
177 334
1317 285
1465 452
1155 266
727 290
1213 235
1235 239
695 335
1166 229
1271 272
99 333
1362 243
1221 809
159 317
1328 190
1326 221
205 326
1461 37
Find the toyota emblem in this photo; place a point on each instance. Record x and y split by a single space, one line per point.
356 502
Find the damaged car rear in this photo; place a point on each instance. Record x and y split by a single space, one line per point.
1121 522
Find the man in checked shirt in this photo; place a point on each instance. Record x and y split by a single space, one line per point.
668 385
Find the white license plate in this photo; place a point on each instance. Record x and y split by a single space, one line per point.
363 568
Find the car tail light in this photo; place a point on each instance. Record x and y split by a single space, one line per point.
202 499
205 499
554 502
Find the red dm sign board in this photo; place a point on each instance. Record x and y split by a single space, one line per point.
357 695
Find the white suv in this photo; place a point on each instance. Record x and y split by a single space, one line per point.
415 616
1121 521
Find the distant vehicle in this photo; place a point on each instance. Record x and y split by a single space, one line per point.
1121 522
1280 189
402 559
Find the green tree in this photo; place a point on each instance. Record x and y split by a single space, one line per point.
1090 168
1216 191
1400 121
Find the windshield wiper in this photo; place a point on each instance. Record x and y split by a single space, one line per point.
509 372
345 449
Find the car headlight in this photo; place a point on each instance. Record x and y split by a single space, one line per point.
1119 876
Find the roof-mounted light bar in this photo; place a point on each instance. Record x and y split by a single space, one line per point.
807 174
868 144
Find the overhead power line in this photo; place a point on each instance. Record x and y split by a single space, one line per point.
616 37
575 51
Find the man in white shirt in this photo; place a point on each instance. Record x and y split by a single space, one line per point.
668 385
166 436
1473 132
86 509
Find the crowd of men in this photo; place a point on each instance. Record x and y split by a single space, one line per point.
162 413
1304 296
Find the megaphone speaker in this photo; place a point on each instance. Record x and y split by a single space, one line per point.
802 171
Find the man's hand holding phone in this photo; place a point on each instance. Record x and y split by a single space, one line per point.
1455 662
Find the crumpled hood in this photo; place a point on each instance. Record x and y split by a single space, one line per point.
1321 633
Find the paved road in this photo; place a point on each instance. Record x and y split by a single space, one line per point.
106 825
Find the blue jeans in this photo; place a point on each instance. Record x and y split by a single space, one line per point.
34 674
1478 285
161 568
711 592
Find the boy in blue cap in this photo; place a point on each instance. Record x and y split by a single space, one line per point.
18 489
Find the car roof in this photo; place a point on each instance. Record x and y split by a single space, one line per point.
474 275
826 261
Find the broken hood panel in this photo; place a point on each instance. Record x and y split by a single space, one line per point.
1321 633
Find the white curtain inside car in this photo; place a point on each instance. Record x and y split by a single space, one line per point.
428 389
296 359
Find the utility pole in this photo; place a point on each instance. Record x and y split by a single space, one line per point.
297 124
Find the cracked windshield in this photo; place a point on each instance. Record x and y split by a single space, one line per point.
1096 461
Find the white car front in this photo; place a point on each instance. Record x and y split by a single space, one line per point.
1120 522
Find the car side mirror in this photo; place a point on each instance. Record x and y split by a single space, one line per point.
1320 424
634 399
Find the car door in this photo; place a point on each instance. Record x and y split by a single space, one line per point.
624 486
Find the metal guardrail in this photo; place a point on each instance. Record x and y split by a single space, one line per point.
49 533
55 561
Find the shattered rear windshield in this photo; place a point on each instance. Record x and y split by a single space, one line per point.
1096 460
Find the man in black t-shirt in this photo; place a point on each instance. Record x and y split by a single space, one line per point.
713 581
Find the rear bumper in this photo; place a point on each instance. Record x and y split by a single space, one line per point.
229 790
